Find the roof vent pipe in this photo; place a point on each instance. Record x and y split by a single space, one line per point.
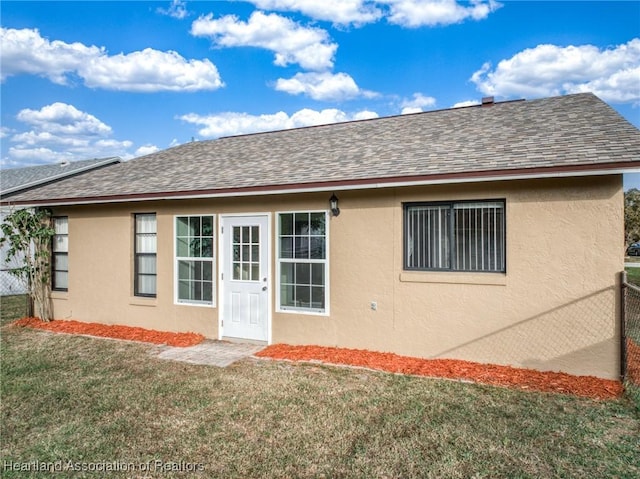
65 163
487 101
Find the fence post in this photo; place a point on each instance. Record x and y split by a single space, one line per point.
623 323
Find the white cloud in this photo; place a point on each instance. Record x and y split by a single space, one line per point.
146 150
61 118
177 9
26 52
417 104
322 86
231 123
418 13
291 42
149 71
546 70
62 132
340 12
462 104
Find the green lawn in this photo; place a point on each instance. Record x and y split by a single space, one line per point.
633 275
95 401
12 307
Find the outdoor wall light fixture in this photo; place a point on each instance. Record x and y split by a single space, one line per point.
333 204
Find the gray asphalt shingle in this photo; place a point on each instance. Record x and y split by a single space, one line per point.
566 131
17 179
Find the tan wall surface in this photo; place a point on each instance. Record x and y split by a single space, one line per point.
554 309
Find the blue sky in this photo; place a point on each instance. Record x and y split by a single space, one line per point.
96 79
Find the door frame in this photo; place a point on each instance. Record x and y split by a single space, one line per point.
221 262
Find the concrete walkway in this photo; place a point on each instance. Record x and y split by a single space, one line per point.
210 352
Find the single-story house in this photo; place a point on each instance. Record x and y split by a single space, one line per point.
17 180
492 233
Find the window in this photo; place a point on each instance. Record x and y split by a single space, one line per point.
464 236
60 254
302 261
194 259
145 255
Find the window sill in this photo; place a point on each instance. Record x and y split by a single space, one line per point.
64 295
445 277
142 301
197 305
305 312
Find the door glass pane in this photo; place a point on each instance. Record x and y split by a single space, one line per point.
245 272
255 272
236 234
255 235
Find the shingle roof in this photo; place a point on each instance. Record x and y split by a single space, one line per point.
14 180
568 133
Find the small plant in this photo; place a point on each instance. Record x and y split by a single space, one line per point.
28 233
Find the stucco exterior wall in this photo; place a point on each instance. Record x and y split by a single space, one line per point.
555 308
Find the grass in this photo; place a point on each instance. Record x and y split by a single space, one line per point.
93 401
633 275
12 308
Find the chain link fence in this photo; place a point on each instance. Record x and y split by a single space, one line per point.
630 333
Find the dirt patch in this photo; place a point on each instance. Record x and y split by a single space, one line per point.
113 331
587 386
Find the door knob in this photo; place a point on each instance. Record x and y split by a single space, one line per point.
264 288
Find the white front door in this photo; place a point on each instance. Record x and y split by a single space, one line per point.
245 277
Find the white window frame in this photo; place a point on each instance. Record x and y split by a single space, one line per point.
176 259
325 261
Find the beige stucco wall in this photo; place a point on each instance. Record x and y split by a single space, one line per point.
554 309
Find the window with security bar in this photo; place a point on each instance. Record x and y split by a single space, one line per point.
456 236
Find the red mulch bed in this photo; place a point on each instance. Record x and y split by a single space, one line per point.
114 331
587 386
633 362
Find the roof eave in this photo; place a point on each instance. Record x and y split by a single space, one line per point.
356 184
